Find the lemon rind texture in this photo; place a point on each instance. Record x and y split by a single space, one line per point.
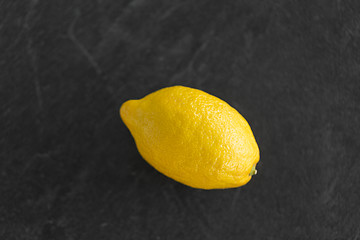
192 137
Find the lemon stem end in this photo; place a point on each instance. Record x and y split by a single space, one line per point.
253 171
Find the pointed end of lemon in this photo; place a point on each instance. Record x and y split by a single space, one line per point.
128 110
127 107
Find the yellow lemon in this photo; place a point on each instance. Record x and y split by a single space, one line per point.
192 137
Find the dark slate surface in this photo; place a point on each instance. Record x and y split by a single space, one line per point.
69 168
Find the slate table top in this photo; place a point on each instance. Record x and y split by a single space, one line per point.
69 168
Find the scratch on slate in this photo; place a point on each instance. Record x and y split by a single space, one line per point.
191 62
81 47
17 39
357 236
33 54
137 3
33 58
197 53
169 11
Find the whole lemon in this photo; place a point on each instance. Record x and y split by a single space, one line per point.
192 137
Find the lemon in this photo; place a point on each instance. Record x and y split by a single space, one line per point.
192 137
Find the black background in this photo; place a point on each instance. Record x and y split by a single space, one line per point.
69 168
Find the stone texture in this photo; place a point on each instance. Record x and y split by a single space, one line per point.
69 168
